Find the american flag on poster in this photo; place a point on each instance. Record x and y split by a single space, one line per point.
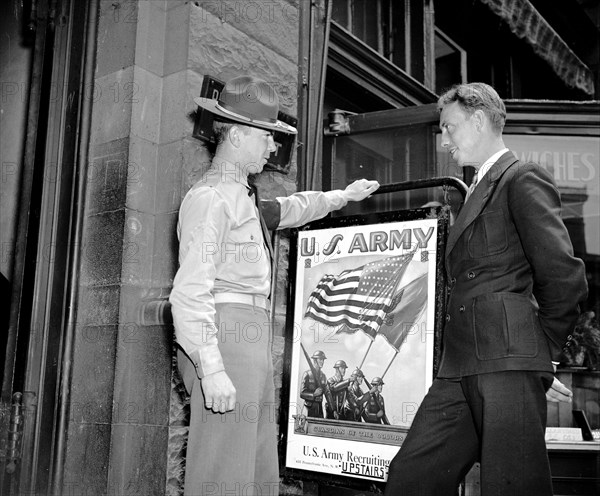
361 298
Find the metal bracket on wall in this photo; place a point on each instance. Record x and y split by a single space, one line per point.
338 123
154 308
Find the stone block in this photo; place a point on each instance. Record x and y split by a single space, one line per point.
93 374
138 400
168 4
135 468
143 367
165 250
103 250
169 171
194 83
145 99
86 459
142 175
176 37
138 240
112 102
107 176
273 23
221 50
150 249
196 161
176 121
98 305
117 29
150 37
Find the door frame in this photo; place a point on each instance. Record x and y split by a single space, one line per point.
35 386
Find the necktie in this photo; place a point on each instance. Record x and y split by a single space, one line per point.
471 188
253 192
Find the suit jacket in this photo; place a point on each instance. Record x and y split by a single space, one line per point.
514 284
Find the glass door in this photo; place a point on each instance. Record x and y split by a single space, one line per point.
391 146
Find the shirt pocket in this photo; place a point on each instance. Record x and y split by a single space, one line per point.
504 326
247 241
488 235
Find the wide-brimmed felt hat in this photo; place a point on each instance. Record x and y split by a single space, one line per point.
250 101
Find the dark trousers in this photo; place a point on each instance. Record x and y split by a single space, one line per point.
497 418
235 453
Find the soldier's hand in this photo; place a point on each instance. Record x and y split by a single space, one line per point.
336 415
219 392
380 414
318 392
360 189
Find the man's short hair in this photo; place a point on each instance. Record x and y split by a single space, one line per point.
221 128
477 96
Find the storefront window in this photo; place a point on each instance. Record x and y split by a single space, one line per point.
574 163
450 62
398 30
369 21
386 152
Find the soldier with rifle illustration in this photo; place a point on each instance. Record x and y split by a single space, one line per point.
314 384
338 387
355 397
374 412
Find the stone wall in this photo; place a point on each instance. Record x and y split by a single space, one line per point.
119 419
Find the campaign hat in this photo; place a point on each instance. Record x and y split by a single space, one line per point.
250 101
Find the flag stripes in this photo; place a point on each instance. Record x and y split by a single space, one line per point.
360 298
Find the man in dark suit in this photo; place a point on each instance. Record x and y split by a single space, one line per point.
514 290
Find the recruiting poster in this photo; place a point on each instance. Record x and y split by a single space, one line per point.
362 346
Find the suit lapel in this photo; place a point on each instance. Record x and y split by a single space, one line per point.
478 199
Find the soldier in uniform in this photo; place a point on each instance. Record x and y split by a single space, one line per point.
338 387
355 398
375 406
216 288
312 388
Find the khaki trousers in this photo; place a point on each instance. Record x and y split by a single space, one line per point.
235 453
